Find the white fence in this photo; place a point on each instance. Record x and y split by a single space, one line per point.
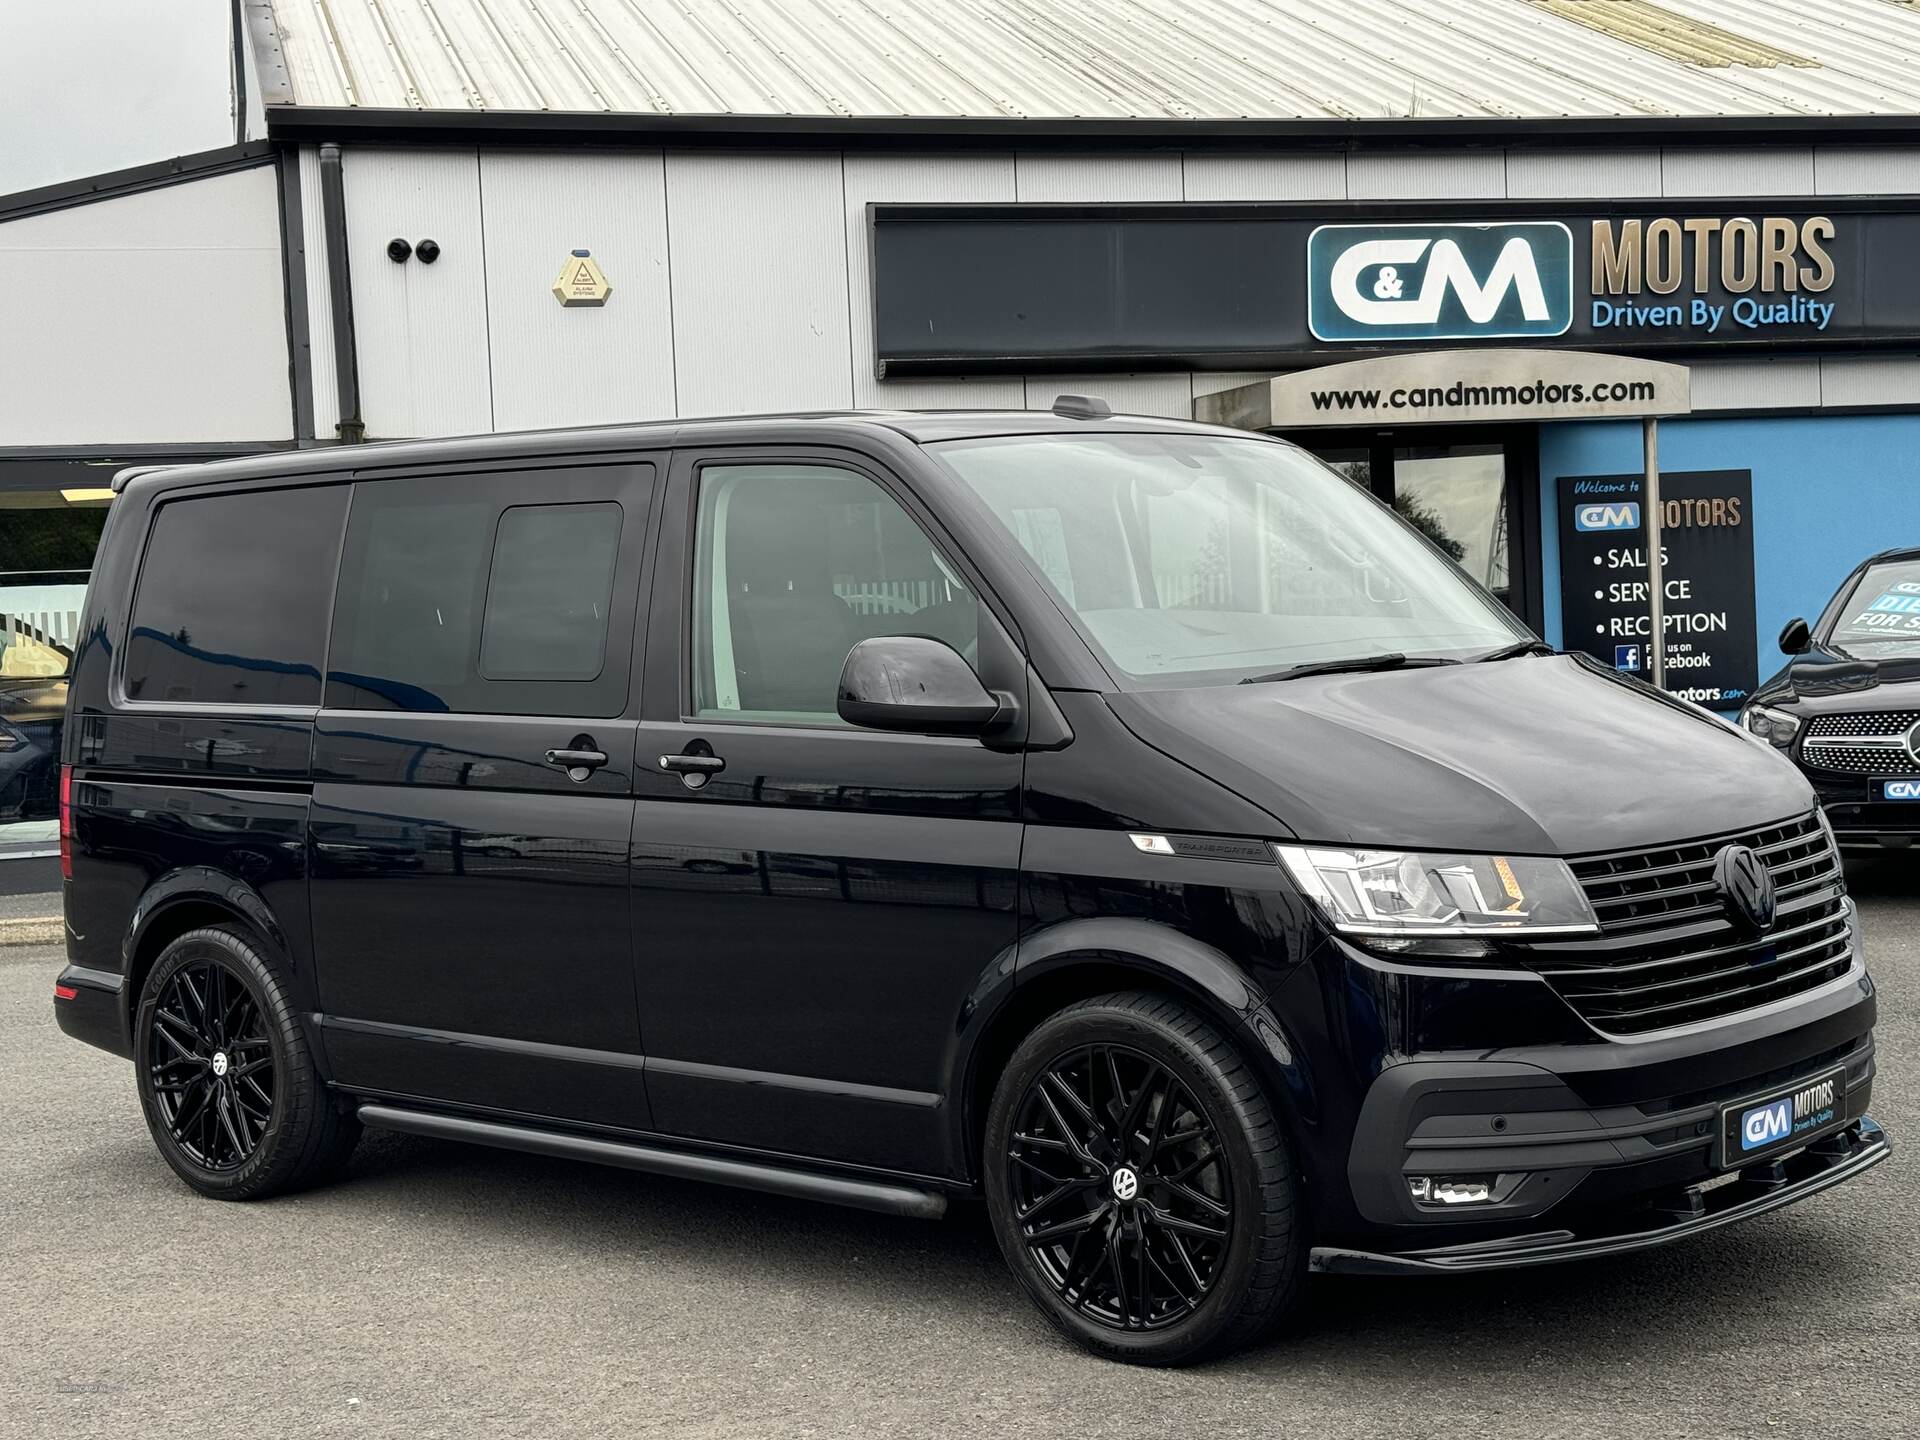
32 617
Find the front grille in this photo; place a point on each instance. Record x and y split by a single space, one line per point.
1860 759
1844 742
1833 743
1864 722
1667 953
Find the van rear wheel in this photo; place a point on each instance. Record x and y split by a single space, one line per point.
230 1090
1140 1184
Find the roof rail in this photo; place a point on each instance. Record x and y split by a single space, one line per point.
123 478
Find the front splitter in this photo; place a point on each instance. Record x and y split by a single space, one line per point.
1821 1166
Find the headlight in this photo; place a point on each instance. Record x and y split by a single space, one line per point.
1407 894
1776 727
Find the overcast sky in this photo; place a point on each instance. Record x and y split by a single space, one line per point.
107 84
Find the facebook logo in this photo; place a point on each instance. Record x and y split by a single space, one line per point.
1627 658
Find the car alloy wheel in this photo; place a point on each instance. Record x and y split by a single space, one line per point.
1140 1182
1121 1188
210 1064
227 1079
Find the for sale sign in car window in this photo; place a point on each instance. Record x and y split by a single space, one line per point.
1882 616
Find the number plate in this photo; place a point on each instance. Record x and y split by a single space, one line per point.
1754 1130
1900 789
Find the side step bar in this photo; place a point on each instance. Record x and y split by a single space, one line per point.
887 1197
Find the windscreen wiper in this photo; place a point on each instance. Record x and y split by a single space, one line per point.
1516 650
1391 660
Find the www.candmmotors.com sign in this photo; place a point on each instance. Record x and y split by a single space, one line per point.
1008 288
1439 282
1456 387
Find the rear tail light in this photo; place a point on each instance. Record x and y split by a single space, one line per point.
66 822
65 992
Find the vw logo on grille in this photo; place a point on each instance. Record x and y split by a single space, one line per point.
1746 888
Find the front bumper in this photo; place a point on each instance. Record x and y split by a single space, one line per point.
1686 1212
1859 814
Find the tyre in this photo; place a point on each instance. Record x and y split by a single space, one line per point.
227 1081
1140 1184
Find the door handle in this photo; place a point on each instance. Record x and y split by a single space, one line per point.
579 760
693 764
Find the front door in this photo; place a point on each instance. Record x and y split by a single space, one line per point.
1472 491
811 919
472 799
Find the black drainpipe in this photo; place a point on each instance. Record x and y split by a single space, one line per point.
237 22
346 357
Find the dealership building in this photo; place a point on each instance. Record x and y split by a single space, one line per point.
1458 249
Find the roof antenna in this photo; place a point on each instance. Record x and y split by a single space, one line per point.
1081 407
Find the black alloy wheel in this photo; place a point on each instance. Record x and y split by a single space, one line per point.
1140 1184
1121 1187
231 1092
210 1065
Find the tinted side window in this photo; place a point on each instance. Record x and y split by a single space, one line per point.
456 595
794 565
547 596
231 605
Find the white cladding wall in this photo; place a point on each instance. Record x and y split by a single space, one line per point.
759 279
424 347
537 210
741 281
151 318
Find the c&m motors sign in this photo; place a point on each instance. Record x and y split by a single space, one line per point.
1022 288
1439 282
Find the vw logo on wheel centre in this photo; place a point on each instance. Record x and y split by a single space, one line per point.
1126 1184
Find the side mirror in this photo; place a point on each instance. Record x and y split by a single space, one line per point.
911 682
1795 639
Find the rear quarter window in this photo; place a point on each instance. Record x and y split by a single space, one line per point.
233 598
489 594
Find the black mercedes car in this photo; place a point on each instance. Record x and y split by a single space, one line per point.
1846 709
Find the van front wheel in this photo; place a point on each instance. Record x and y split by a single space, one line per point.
1140 1184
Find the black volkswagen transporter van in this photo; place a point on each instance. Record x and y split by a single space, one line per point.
1130 821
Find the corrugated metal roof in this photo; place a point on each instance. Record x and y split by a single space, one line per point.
1090 59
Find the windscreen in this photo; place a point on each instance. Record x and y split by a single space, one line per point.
1199 560
1881 618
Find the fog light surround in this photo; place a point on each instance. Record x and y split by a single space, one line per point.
1447 1192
